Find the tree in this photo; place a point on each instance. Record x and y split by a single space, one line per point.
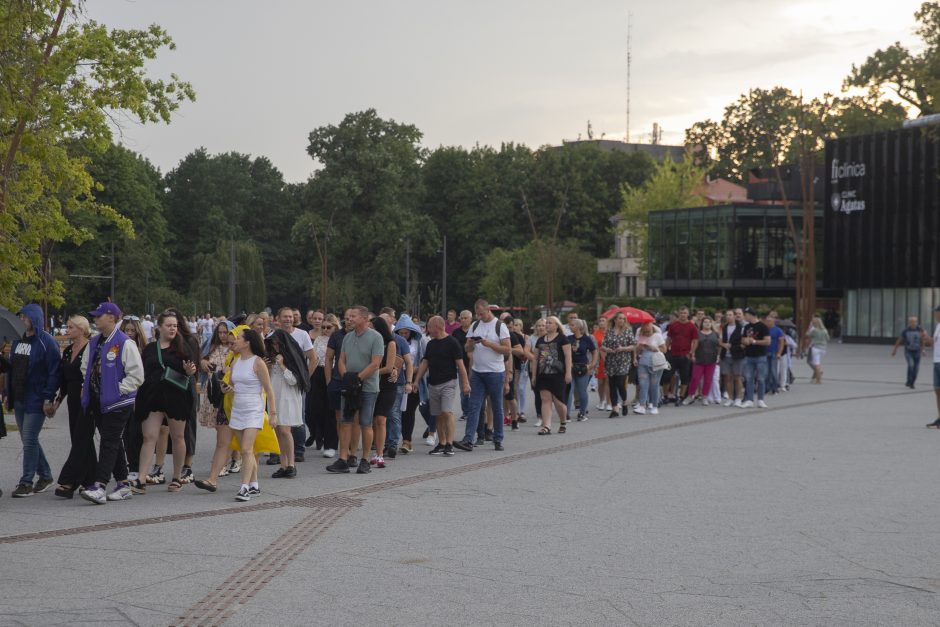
365 198
64 80
672 186
912 77
759 129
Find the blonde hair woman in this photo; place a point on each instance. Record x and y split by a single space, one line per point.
79 468
818 339
552 374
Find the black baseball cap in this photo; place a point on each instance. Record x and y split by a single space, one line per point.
749 311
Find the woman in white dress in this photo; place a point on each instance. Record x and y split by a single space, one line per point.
251 383
289 379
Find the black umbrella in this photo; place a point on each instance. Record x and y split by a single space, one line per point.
11 327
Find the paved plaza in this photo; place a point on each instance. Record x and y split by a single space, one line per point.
822 510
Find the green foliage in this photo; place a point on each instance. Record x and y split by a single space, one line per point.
209 289
671 186
64 79
912 77
517 277
767 127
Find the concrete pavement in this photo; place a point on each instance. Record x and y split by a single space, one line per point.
820 510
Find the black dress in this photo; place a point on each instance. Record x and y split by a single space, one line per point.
156 395
79 468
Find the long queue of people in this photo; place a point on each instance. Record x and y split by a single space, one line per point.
272 386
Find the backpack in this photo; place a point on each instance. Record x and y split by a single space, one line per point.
477 323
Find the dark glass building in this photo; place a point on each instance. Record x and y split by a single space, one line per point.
736 250
882 229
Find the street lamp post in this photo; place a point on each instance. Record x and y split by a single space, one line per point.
444 283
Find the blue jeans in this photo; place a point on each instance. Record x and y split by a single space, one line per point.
648 380
34 459
579 386
300 437
754 367
393 421
483 384
913 365
771 383
522 388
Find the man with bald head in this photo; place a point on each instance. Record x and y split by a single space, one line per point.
443 362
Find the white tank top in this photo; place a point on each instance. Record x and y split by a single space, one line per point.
248 403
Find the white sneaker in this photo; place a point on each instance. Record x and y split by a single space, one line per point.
538 423
638 410
430 440
329 452
688 400
706 402
737 402
724 396
762 404
727 402
121 493
654 410
599 406
747 404
132 476
96 495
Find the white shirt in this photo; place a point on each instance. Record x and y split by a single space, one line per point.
936 344
303 340
485 359
148 329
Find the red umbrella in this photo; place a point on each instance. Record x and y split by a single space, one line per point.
632 314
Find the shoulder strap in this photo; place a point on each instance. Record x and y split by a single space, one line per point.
160 355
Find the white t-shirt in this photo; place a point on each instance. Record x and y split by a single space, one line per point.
656 339
936 344
485 359
148 329
303 339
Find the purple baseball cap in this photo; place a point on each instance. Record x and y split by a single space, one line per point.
106 308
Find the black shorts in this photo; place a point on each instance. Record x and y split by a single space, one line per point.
385 400
682 367
511 394
335 398
554 383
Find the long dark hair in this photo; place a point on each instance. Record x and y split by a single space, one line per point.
215 342
379 324
254 342
177 342
190 340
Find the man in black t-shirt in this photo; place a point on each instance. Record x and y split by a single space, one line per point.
460 334
755 339
443 361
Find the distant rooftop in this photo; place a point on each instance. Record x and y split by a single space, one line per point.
656 151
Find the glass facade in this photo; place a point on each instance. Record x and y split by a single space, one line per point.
724 248
882 313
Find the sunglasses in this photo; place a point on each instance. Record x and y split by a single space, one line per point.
134 318
326 326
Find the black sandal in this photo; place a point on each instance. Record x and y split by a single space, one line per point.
138 487
175 486
205 485
65 492
563 428
545 431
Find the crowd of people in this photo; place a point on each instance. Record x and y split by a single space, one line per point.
274 385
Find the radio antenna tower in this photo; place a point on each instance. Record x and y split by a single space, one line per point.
629 59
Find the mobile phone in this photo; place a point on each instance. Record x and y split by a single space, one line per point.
478 339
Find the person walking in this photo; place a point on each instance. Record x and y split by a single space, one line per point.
133 436
538 330
32 384
112 370
488 345
935 343
388 386
166 394
360 358
600 371
914 339
443 363
818 338
756 339
552 373
649 340
584 357
617 349
250 385
79 467
705 352
287 368
287 319
679 337
319 413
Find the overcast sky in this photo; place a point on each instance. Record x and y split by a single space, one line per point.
487 71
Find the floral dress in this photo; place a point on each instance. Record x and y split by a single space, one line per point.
618 364
207 413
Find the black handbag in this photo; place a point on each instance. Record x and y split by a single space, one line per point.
173 377
579 370
214 392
